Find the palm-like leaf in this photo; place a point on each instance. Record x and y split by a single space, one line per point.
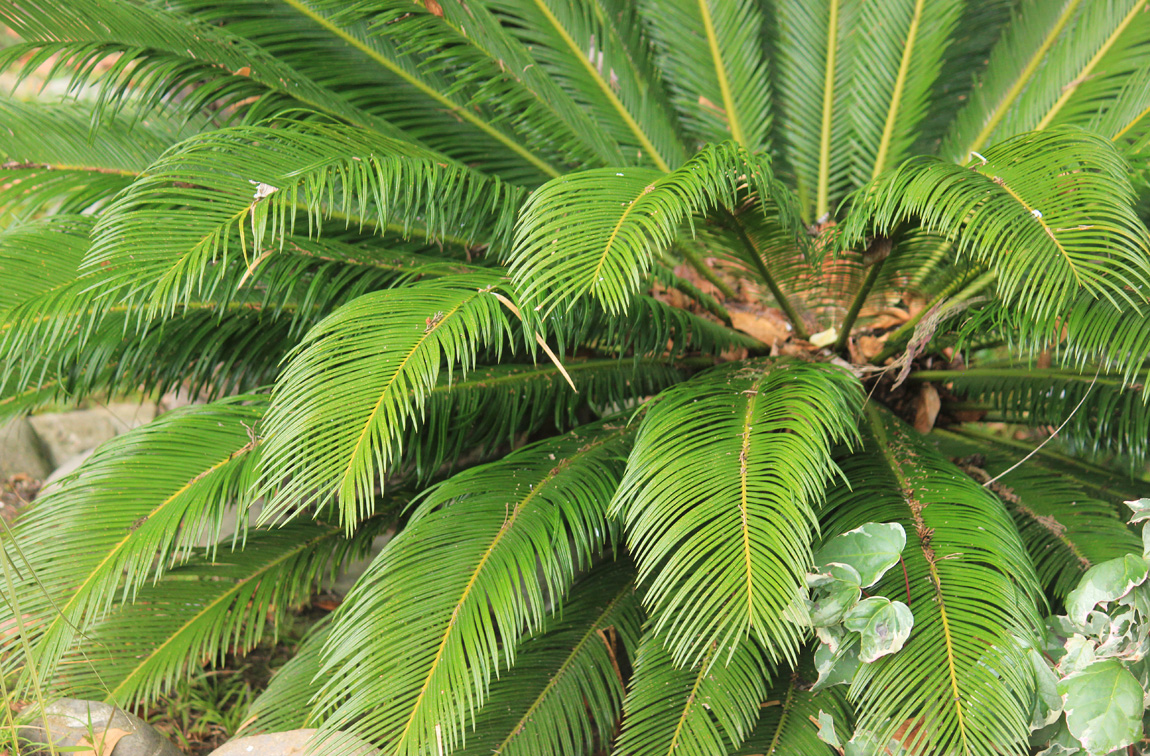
403 666
135 507
970 586
285 704
719 499
788 725
696 711
565 691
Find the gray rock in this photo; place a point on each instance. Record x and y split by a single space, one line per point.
22 451
93 725
69 467
295 743
67 434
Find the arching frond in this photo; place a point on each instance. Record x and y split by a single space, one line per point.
897 55
160 53
1103 413
565 692
133 509
1064 530
711 55
971 587
313 169
216 603
285 704
710 708
38 257
788 725
360 377
718 500
412 652
815 61
597 53
1050 212
593 234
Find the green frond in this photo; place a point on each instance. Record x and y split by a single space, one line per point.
1064 530
285 704
565 692
594 234
161 53
1050 212
218 602
970 585
1100 483
814 64
897 55
597 53
1060 62
708 709
412 652
711 55
787 726
39 256
1124 119
1105 413
133 509
360 377
719 496
313 169
495 405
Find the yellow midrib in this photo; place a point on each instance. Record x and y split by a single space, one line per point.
823 198
1045 227
567 662
1088 69
896 95
744 464
1015 90
615 233
603 86
704 668
733 121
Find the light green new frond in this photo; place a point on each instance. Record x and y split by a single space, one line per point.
160 53
215 604
593 234
359 379
1050 212
272 174
1126 119
565 692
718 501
1064 530
710 54
814 64
786 728
969 583
285 704
413 650
1109 413
597 53
696 711
899 49
132 510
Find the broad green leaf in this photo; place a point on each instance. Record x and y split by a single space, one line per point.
884 625
1047 703
836 666
871 549
718 500
1105 582
827 732
1103 706
835 592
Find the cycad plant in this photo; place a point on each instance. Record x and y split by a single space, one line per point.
648 329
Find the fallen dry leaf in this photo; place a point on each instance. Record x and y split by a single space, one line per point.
869 347
767 325
926 408
105 743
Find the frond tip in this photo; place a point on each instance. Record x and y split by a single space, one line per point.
719 498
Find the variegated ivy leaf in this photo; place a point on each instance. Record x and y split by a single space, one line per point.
836 666
835 591
1140 508
884 625
1103 706
872 549
1105 582
826 731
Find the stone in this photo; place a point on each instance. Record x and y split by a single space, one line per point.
294 743
22 452
67 434
87 728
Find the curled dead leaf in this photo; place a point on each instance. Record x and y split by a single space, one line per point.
926 408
